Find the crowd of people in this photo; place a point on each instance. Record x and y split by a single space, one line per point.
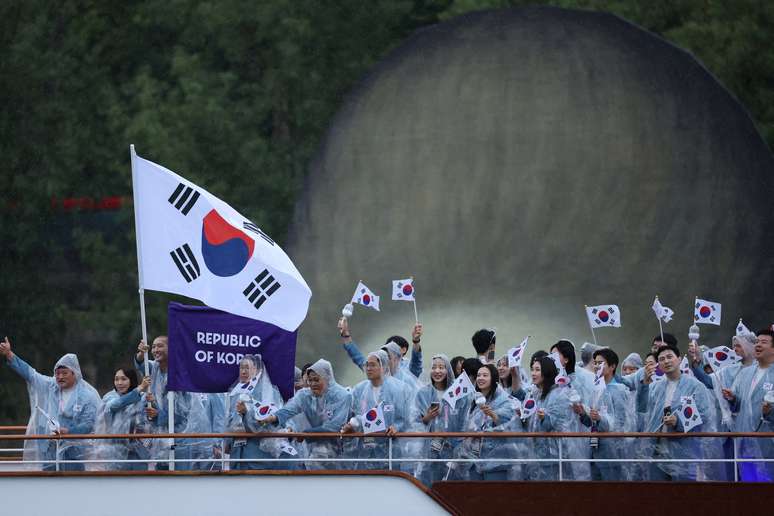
590 391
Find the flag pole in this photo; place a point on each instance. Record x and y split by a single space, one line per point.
660 328
590 326
141 290
416 317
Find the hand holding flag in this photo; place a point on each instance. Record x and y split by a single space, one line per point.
529 407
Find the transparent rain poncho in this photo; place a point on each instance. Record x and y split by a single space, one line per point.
652 400
617 415
558 418
121 414
449 419
325 413
75 410
250 452
401 373
750 387
481 447
393 395
189 417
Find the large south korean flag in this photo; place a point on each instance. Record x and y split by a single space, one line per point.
191 243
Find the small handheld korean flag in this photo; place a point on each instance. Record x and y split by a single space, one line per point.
706 312
720 357
459 389
685 367
742 330
264 410
689 414
516 352
599 379
561 377
528 408
658 375
604 315
373 420
662 312
364 296
403 290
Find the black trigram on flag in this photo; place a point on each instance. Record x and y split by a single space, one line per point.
183 198
259 290
186 262
255 229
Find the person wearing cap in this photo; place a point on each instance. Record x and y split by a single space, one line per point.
752 399
379 389
325 404
61 404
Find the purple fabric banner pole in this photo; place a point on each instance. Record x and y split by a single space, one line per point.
206 345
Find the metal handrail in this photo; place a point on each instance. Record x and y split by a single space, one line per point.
399 435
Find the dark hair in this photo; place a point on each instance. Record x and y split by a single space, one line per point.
651 354
549 372
471 365
667 347
400 341
508 381
454 361
130 373
765 331
567 350
493 384
668 339
303 369
536 356
482 339
610 356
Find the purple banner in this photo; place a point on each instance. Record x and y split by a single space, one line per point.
205 346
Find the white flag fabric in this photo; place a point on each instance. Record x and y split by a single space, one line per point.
685 367
516 352
561 377
742 330
461 387
720 357
689 414
604 315
191 243
658 375
662 312
373 420
529 407
706 312
364 296
264 410
403 290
